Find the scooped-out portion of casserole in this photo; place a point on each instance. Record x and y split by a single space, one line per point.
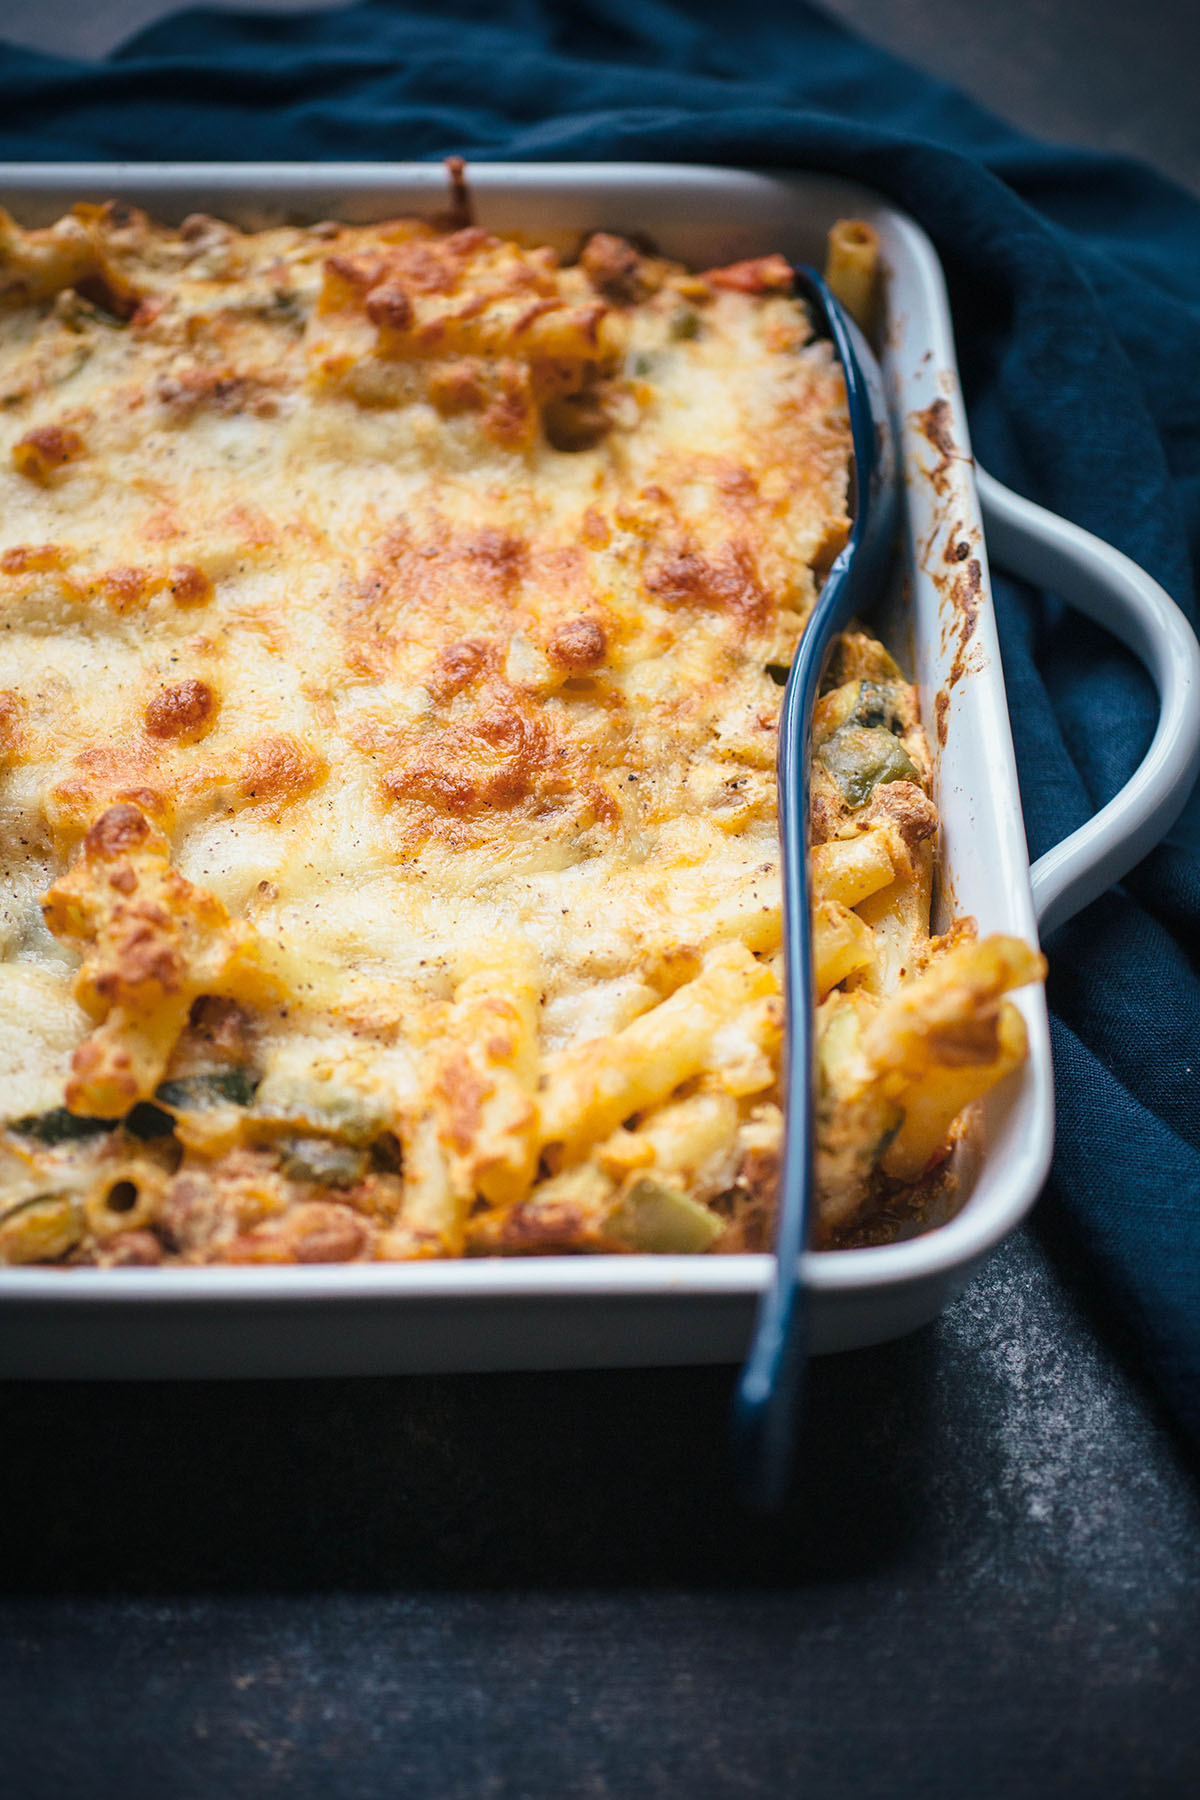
392 630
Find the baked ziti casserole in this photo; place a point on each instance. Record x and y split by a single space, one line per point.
394 627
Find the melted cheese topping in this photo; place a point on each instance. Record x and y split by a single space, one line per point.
391 628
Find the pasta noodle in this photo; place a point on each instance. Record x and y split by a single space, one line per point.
852 269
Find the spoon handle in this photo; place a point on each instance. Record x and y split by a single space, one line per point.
768 1390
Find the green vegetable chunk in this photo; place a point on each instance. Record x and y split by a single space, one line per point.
220 1087
861 758
323 1160
658 1218
60 1126
684 324
147 1121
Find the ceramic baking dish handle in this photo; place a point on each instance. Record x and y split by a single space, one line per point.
1042 548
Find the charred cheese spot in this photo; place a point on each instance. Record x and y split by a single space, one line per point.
27 559
40 453
503 759
457 666
500 553
120 829
128 587
578 644
428 268
426 584
184 711
125 588
278 767
189 586
493 765
725 579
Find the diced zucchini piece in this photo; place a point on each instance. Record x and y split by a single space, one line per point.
655 1217
60 1126
862 758
316 1101
322 1160
219 1087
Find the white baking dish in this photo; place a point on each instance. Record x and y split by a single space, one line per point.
594 1311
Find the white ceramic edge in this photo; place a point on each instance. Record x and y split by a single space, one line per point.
919 359
1114 591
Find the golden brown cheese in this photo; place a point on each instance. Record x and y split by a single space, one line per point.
390 630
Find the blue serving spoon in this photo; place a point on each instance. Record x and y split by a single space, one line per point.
768 1389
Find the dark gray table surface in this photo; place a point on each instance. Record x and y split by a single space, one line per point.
987 1581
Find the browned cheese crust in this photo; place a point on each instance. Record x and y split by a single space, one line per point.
392 626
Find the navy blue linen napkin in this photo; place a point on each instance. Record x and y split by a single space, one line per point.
1075 284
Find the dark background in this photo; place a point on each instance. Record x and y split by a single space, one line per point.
987 1582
